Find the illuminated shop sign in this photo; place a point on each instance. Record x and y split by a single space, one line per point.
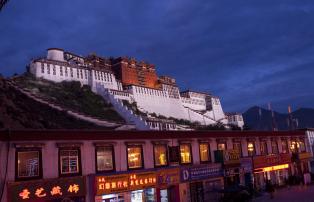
46 189
167 177
231 156
227 157
200 172
271 160
272 168
125 182
305 155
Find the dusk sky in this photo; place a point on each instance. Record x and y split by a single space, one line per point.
247 52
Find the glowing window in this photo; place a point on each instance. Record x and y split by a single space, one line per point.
185 153
250 148
204 152
135 157
160 155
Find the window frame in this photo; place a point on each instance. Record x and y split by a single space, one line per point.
266 148
142 157
40 162
225 143
271 143
287 147
113 159
79 162
254 148
167 158
238 142
191 154
208 152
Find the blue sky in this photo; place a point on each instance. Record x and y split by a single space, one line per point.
248 52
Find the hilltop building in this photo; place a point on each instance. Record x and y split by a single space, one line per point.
118 79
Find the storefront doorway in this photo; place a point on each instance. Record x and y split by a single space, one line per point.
197 192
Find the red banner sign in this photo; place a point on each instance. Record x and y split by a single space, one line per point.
271 160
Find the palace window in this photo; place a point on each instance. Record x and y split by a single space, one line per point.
71 72
42 68
284 146
61 71
28 163
135 156
263 145
48 68
204 152
238 147
105 158
69 161
160 155
274 147
221 146
185 153
66 71
251 148
54 70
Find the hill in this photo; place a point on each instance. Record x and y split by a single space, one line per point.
257 118
18 111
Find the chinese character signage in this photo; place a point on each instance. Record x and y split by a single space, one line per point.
167 177
305 155
201 172
231 156
125 182
112 184
47 189
271 160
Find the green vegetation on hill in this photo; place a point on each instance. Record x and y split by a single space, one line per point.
70 95
17 111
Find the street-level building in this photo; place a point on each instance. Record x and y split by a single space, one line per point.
101 166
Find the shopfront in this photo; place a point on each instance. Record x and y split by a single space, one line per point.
55 190
230 160
275 168
201 183
158 185
246 176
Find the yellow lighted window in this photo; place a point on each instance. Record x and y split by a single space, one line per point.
185 153
250 148
135 157
160 154
221 146
204 152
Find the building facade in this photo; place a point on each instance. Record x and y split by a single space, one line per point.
133 81
103 166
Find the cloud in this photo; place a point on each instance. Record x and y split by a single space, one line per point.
246 52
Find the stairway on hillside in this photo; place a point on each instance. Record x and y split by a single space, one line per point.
70 112
123 111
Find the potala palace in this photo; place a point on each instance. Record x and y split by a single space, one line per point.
124 79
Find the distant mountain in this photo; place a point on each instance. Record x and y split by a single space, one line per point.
257 118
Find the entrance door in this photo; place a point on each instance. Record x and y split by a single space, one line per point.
197 192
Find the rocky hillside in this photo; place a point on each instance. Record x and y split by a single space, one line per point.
18 111
257 118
